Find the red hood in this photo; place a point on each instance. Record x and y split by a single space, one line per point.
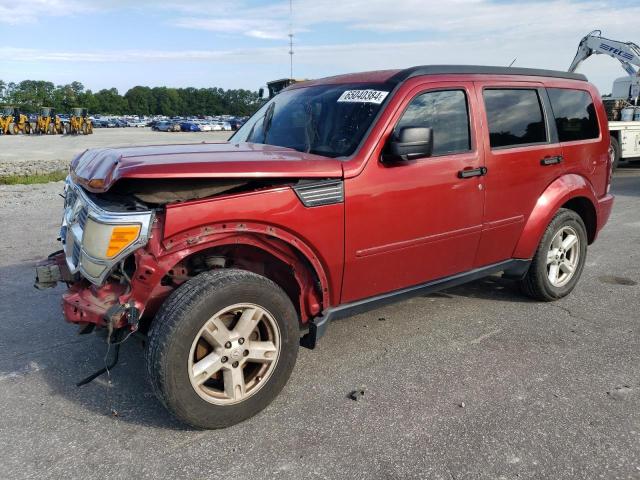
98 169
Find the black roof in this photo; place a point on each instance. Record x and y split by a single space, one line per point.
479 69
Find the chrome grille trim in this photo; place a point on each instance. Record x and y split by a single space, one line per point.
78 208
316 194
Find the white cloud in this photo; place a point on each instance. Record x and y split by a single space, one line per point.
540 34
29 11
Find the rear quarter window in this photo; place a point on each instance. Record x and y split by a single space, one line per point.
574 114
514 117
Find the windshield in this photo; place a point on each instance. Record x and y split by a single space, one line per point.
327 120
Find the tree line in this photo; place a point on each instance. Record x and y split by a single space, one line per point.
31 95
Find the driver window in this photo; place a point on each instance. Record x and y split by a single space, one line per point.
447 114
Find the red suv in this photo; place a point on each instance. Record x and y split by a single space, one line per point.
339 195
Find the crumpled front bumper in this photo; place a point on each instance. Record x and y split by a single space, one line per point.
83 303
86 304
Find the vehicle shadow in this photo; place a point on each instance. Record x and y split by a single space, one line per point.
489 288
626 180
46 350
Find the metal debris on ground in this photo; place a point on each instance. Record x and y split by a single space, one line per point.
357 394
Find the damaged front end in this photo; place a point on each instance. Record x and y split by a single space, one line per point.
98 236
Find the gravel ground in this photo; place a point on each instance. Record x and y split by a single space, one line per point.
474 382
47 153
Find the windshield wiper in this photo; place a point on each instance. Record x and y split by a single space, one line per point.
310 131
266 122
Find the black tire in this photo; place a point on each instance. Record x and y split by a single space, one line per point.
536 283
615 153
177 324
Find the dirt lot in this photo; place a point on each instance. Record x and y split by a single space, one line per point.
43 153
474 382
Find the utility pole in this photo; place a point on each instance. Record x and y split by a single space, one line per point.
291 39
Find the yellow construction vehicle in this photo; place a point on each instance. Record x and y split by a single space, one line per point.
79 122
6 119
20 123
46 122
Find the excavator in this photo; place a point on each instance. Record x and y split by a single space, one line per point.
622 107
79 122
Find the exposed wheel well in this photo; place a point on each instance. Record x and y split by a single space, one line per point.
583 207
296 284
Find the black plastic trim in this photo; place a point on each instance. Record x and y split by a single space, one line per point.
514 268
480 70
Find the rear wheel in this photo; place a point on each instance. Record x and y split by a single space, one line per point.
222 347
614 153
559 260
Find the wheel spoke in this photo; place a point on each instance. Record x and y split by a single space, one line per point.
553 272
216 333
203 369
567 268
557 241
234 385
248 322
551 256
569 242
264 352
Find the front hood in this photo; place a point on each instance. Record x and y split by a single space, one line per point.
99 168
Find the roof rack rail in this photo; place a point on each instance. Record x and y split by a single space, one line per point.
479 69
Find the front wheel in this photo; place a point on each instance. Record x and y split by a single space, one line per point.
222 347
559 260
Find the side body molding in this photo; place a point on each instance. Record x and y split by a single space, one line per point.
559 192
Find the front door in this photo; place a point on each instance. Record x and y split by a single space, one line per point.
419 220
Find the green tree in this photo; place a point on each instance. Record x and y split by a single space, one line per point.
140 100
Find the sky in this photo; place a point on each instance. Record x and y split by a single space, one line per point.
244 43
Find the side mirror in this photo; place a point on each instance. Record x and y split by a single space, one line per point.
408 144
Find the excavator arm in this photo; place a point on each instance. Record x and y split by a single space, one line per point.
627 53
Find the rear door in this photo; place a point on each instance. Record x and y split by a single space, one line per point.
522 156
584 147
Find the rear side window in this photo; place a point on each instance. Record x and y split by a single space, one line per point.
515 117
574 113
446 113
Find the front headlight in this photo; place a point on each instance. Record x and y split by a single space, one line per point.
104 241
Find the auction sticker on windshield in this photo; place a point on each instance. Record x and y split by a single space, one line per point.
363 96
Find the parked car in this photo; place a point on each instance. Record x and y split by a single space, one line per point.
235 124
216 126
136 123
336 197
166 127
204 126
189 127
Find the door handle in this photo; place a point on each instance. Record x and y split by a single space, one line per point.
551 160
472 172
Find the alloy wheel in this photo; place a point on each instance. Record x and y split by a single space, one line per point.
563 256
234 354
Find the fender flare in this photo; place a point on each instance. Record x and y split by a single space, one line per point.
559 192
278 242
